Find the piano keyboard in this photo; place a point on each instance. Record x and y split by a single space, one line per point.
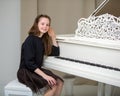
88 63
97 72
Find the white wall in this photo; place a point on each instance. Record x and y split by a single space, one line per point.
65 13
28 14
9 40
89 7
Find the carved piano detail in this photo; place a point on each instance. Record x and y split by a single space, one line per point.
93 52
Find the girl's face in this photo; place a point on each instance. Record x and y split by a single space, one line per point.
44 25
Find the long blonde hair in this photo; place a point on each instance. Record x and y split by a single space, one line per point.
46 38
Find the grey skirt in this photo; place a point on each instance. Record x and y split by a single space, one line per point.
34 81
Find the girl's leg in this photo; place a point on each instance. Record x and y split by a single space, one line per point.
56 90
59 88
51 92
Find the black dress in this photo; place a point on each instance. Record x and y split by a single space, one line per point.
32 54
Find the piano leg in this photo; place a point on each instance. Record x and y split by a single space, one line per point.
104 89
100 89
108 90
68 83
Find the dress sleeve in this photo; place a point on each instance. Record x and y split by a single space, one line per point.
55 51
29 55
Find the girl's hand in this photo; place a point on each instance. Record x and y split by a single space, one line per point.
51 81
51 33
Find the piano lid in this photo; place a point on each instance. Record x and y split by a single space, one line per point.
108 6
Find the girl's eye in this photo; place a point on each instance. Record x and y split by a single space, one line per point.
47 25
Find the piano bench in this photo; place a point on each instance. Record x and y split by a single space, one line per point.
16 88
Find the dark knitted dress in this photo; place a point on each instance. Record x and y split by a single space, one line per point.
32 54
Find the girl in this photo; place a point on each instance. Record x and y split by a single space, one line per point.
40 41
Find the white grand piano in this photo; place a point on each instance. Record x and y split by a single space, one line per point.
93 52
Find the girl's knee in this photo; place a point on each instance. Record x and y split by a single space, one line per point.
60 83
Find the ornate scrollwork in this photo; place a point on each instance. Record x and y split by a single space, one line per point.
105 26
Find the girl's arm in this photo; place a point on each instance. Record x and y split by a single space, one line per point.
55 47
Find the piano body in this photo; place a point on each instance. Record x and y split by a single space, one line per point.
93 52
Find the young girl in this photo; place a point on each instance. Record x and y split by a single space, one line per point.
40 41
